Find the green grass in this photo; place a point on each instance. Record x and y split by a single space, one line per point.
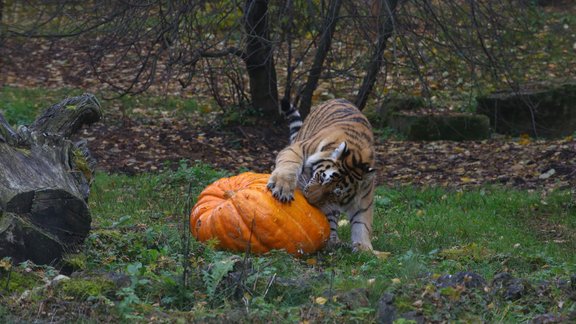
505 221
20 106
140 234
140 264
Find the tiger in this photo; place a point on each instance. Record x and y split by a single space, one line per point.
330 158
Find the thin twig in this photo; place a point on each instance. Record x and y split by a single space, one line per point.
269 285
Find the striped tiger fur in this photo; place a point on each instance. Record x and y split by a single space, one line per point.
331 159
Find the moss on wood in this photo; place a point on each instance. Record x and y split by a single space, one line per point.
542 110
454 127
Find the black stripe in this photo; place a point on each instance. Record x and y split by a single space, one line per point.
365 225
293 150
319 161
293 118
358 222
327 146
347 199
362 210
366 194
294 132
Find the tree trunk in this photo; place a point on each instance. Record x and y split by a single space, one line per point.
386 17
328 28
259 59
2 23
45 182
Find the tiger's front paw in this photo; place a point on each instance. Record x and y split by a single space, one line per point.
334 244
361 246
282 187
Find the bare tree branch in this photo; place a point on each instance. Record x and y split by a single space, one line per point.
327 33
386 22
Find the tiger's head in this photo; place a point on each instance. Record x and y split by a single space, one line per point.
335 177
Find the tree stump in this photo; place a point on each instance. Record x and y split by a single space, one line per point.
438 127
45 181
545 109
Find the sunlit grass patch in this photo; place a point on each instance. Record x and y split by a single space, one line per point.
20 106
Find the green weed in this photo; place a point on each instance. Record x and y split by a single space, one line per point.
140 230
21 106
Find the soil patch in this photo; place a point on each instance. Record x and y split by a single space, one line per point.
153 146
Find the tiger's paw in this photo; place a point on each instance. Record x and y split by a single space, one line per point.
360 246
281 188
334 244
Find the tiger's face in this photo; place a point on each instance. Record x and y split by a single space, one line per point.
328 185
334 180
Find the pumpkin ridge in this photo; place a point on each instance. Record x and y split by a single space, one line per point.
261 219
290 230
253 216
198 216
247 239
320 235
305 244
218 226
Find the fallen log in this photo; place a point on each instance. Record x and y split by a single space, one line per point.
45 182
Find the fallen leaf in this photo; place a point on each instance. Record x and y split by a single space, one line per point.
5 264
321 300
467 179
547 174
381 254
524 139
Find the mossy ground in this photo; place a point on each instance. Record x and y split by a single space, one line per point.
139 262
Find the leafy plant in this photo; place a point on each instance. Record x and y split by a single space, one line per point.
216 272
128 295
430 232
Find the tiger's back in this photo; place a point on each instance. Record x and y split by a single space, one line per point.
339 115
331 159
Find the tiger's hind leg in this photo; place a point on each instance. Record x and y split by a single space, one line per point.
361 231
361 223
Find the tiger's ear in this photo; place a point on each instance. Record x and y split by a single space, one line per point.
340 152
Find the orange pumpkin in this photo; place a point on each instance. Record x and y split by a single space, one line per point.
240 210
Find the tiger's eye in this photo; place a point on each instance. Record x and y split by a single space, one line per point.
337 191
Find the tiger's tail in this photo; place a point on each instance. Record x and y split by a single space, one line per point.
293 116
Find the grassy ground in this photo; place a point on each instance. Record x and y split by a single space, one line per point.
139 262
20 106
511 252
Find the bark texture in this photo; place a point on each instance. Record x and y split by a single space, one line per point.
45 182
386 17
327 33
259 59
